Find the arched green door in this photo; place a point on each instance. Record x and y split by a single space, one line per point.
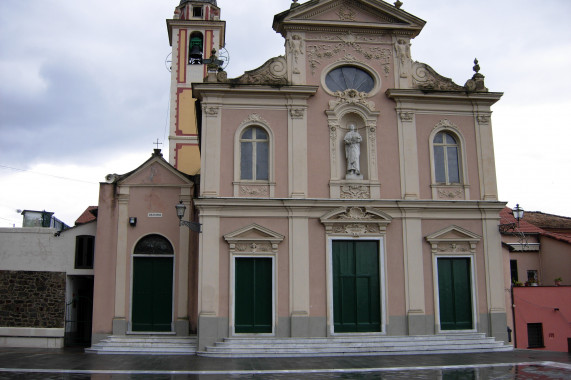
152 285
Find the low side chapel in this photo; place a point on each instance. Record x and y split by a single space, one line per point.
344 187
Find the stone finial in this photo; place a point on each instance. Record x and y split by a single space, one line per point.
294 3
398 4
476 66
476 84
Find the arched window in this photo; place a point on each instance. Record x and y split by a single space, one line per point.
254 154
349 78
446 159
153 245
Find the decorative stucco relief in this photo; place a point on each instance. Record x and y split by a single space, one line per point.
483 119
406 116
274 71
210 111
253 239
297 113
445 123
453 239
402 48
355 192
356 221
450 194
254 247
345 13
425 77
254 191
351 97
255 118
347 44
295 48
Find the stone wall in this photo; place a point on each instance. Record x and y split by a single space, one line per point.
32 299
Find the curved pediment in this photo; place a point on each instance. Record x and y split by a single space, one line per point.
368 14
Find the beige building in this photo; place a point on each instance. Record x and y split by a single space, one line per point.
347 194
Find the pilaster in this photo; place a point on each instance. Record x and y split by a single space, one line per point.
299 271
297 151
210 157
410 186
122 255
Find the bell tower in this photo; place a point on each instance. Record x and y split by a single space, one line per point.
194 31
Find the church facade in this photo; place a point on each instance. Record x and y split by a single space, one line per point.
344 190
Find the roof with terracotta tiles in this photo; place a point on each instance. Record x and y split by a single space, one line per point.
89 215
506 217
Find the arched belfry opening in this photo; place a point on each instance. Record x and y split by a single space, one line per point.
195 48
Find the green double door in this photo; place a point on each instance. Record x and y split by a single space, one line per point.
455 293
152 294
253 300
356 286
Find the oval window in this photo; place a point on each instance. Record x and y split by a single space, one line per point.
349 78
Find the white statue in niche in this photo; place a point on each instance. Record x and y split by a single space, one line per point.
352 153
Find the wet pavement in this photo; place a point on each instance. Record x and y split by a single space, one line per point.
57 364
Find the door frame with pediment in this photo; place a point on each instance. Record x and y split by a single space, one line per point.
451 243
356 224
252 241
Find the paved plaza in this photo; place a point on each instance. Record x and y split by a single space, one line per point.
20 363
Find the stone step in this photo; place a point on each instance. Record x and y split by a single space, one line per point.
353 345
268 354
391 345
379 339
145 344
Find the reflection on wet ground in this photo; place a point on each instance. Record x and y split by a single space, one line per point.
508 372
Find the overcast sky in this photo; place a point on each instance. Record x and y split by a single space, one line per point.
84 89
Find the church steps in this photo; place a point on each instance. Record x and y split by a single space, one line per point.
145 344
294 347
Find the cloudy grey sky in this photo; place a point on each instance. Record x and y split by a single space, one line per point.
84 89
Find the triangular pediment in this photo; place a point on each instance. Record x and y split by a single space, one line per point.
154 172
453 234
253 232
369 14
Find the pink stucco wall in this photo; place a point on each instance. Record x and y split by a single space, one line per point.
105 261
556 260
549 305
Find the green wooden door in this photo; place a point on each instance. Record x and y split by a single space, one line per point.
253 295
152 293
455 293
356 286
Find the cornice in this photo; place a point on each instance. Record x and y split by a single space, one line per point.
200 90
171 23
430 96
223 203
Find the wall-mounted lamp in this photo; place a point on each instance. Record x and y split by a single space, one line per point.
180 210
518 213
513 227
132 221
